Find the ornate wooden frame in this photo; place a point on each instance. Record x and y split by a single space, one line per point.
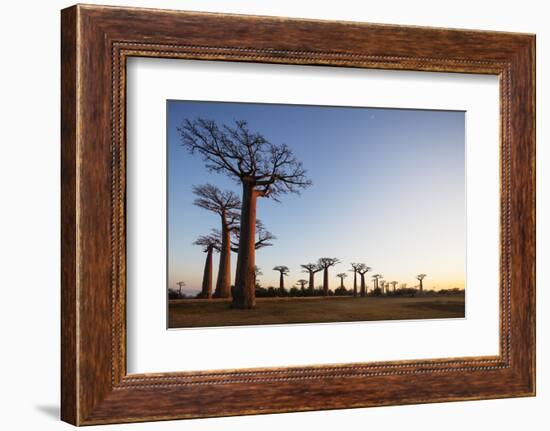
95 42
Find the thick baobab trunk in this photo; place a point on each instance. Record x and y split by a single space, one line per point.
223 283
311 281
206 291
354 283
281 281
325 281
245 294
363 286
420 286
341 283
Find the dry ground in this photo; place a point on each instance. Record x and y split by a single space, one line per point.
187 313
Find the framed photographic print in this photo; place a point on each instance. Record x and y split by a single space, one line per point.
269 215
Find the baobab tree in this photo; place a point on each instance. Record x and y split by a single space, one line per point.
403 286
383 286
325 263
341 276
393 283
209 243
311 269
257 273
420 277
263 169
353 269
302 283
226 204
375 279
283 271
180 285
362 269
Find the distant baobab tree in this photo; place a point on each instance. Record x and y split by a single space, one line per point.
325 263
257 273
383 286
283 271
393 283
262 168
180 285
209 243
302 283
311 269
420 277
375 279
353 269
403 286
226 204
341 276
362 269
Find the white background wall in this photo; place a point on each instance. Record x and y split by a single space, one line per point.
29 215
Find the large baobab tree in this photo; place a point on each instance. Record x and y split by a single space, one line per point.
283 271
180 285
420 277
362 269
341 276
209 243
353 269
375 279
394 283
325 263
311 269
302 283
263 169
226 204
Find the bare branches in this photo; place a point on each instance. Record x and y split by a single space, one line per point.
311 268
264 237
244 155
210 242
302 283
342 275
421 276
362 268
282 269
211 198
327 262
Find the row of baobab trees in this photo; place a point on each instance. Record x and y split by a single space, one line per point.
225 240
263 170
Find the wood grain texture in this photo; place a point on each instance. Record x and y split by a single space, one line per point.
96 41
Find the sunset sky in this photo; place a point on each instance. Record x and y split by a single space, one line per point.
388 190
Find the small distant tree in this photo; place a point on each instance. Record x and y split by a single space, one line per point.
263 169
311 269
325 263
302 283
209 243
341 276
393 283
420 277
403 286
283 271
362 269
353 269
382 286
180 284
375 279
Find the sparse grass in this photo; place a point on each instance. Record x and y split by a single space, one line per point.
189 313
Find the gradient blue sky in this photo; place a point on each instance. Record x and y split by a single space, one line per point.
388 190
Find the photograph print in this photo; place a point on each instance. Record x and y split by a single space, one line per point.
294 214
